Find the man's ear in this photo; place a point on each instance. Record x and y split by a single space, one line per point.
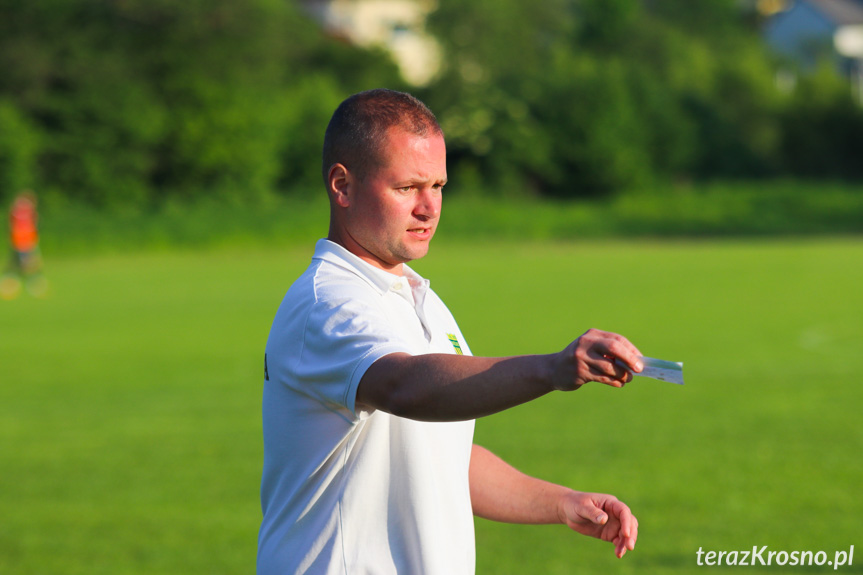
339 183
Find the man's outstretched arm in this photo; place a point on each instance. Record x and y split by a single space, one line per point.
500 492
442 387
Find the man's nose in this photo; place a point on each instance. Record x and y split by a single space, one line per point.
428 204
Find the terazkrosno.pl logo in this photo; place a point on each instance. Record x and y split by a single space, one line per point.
762 556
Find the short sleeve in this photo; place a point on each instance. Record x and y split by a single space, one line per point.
342 338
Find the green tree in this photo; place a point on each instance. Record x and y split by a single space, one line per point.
822 128
18 149
140 100
578 97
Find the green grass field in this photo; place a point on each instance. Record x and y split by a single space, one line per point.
130 402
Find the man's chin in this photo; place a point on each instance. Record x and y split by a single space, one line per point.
414 252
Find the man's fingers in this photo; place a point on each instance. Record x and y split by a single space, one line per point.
628 533
633 535
626 352
604 517
608 373
600 518
619 369
622 513
587 509
602 363
603 357
596 344
627 543
606 380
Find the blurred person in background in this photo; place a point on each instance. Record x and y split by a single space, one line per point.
25 264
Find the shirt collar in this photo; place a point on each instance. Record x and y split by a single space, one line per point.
382 280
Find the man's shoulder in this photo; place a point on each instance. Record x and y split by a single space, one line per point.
325 283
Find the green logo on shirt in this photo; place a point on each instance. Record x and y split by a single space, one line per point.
454 341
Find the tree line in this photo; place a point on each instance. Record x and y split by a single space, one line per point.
132 102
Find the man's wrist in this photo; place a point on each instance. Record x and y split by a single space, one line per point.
561 375
567 499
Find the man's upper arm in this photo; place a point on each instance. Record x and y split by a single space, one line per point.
375 387
342 339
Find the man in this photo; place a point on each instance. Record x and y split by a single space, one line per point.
371 392
25 264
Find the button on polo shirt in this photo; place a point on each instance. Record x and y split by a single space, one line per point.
345 491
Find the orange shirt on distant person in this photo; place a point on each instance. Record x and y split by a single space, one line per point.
22 223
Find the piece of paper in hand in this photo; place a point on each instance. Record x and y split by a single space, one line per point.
671 371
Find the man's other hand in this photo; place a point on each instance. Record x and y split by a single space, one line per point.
602 516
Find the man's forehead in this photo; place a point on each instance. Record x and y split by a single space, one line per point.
414 155
402 140
401 132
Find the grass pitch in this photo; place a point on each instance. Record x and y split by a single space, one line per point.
130 402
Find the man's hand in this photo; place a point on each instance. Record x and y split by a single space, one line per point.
602 516
592 357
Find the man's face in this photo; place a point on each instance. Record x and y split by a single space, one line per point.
393 212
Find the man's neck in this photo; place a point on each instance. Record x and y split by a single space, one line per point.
355 248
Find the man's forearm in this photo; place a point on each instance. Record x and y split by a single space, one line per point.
442 387
500 492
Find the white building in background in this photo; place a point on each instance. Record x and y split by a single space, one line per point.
396 25
808 32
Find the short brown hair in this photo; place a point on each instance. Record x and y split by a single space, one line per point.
357 131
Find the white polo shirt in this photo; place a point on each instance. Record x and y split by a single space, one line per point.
352 492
